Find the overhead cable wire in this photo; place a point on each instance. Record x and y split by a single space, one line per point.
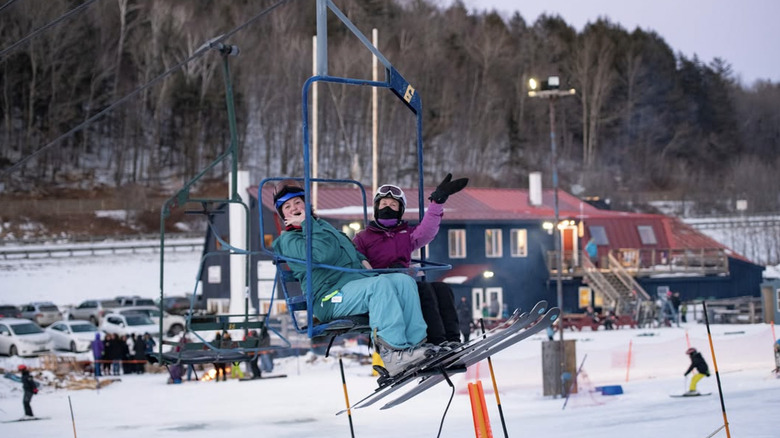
213 43
44 27
7 4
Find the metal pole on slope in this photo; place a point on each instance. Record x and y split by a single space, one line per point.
495 385
717 374
346 397
72 419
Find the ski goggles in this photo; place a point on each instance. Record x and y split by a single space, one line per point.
390 190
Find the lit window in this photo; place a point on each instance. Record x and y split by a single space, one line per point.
519 242
493 243
457 243
646 235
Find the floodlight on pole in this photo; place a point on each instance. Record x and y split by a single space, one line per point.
551 89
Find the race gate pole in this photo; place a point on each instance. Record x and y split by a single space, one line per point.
346 397
479 411
717 374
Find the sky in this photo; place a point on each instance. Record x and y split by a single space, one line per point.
305 403
744 33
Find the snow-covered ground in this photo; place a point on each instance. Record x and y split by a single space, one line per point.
305 403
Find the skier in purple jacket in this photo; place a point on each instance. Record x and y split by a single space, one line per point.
388 242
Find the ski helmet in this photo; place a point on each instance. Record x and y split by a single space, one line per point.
284 191
690 351
390 191
22 367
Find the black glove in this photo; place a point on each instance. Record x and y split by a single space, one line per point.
446 188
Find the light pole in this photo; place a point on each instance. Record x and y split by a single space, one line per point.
550 89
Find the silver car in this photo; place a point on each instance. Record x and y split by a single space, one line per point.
22 337
43 313
93 310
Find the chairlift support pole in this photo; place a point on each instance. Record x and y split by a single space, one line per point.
183 195
393 81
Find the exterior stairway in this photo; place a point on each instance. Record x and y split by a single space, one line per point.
618 287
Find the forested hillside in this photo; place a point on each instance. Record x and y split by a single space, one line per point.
645 122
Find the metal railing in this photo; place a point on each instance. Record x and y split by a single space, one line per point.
95 249
645 262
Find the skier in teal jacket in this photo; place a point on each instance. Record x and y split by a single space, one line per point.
390 300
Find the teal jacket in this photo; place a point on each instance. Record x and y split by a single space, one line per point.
330 247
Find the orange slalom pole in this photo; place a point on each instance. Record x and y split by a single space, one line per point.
687 339
717 374
774 338
628 362
479 411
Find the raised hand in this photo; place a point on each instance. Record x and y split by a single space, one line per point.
446 188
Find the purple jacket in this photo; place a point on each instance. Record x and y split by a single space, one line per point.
97 347
392 247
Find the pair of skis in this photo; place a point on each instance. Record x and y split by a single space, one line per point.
435 370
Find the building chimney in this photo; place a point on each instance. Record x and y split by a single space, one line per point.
535 189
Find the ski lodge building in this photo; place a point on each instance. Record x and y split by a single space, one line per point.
501 248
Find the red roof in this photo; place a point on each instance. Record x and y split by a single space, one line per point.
472 204
496 205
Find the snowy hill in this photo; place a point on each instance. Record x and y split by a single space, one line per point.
306 401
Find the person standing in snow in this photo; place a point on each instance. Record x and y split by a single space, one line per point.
97 354
30 388
465 318
697 362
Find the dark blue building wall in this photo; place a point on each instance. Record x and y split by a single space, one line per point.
522 279
744 279
219 219
221 222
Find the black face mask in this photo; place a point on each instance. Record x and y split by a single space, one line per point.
388 213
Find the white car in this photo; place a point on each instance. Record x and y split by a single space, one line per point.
22 337
172 324
73 336
118 324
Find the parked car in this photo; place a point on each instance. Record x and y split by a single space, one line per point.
172 324
9 311
74 336
93 310
137 323
180 305
22 337
44 313
135 300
